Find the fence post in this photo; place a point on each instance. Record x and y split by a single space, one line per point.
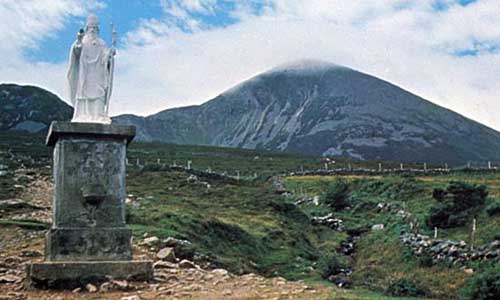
473 234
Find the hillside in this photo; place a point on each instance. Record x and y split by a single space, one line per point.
319 108
261 224
306 107
30 108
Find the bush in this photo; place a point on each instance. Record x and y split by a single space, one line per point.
443 216
455 204
466 195
493 208
337 195
405 288
330 265
484 285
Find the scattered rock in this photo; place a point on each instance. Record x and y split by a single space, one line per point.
13 296
469 271
133 297
31 253
378 227
330 221
10 279
192 178
220 272
121 285
186 264
164 265
91 288
15 204
77 290
166 254
151 241
115 285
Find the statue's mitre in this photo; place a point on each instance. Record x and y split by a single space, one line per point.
92 20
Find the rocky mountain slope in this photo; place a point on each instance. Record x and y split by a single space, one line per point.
319 108
30 108
308 107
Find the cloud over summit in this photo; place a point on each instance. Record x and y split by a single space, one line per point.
443 50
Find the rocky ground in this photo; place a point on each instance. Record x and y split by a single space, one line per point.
180 280
173 278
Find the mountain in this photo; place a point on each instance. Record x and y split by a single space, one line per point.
308 107
319 108
30 108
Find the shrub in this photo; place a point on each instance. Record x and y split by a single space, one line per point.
337 195
330 265
425 260
493 208
443 216
455 204
466 195
484 285
405 288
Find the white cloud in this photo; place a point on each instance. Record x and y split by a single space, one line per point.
24 24
406 42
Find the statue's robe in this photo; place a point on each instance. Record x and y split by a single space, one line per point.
90 79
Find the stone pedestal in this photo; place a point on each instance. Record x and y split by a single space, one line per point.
88 239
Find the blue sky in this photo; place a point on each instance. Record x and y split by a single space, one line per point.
182 52
125 17
128 17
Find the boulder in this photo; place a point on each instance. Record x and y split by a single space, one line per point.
10 279
164 265
91 288
377 227
186 264
166 254
151 241
220 272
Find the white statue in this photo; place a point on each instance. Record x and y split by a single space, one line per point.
90 74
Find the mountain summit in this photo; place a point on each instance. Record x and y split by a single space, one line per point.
320 108
307 106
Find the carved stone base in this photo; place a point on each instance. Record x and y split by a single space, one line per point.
89 244
72 274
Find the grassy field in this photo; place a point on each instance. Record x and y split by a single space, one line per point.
245 226
381 258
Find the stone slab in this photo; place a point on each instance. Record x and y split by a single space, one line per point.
92 130
88 244
71 274
89 182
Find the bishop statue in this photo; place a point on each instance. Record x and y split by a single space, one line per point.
90 74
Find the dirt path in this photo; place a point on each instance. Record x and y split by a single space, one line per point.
20 246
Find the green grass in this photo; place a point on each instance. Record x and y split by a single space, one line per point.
381 258
245 227
28 224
